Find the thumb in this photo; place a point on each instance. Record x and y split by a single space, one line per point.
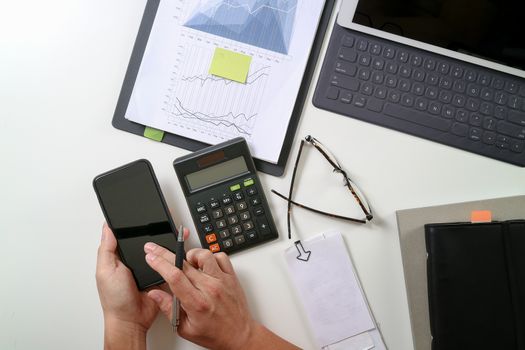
107 249
163 300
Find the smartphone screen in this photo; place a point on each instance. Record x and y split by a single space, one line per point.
135 210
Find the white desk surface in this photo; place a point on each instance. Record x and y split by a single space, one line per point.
62 64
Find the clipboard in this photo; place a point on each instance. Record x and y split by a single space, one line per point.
120 122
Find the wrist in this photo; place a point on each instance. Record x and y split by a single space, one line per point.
260 338
119 334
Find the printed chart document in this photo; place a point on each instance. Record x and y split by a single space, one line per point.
176 92
331 295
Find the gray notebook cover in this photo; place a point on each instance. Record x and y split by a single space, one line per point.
411 223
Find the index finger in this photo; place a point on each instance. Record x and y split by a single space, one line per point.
179 284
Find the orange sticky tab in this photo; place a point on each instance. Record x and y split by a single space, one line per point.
481 216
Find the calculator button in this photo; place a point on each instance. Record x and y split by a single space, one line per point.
258 211
238 196
227 243
204 218
236 229
224 233
230 209
232 220
239 239
241 205
245 215
226 200
215 248
217 213
211 238
201 208
221 223
251 235
214 204
208 228
255 201
263 226
234 188
251 191
248 182
248 225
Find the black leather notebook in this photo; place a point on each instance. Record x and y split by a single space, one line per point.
476 285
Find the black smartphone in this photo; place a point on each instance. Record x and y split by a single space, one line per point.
135 209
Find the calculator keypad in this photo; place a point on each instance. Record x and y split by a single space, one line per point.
237 218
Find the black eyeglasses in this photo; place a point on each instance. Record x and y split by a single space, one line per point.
358 196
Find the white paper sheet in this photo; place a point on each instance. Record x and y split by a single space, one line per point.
329 290
175 93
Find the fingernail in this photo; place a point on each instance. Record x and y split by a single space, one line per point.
150 247
151 257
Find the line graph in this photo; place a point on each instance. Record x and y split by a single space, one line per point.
267 24
211 105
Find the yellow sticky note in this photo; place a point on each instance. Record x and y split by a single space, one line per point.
153 134
230 65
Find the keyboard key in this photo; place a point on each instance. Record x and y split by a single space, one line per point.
230 209
258 211
498 83
365 60
381 92
391 67
346 97
486 108
360 101
375 49
445 96
214 204
237 229
500 98
227 243
516 146
512 130
220 224
418 75
367 89
470 75
514 102
443 68
252 191
245 215
421 104
239 239
332 93
232 220
484 79
217 213
404 85
377 78
348 41
459 86
241 206
208 228
224 233
345 68
511 87
226 200
375 105
263 226
459 129
252 235
457 72
403 56
364 74
391 81
247 226
347 54
345 82
394 96
475 134
389 52
472 104
412 116
407 100
489 123
416 60
431 92
459 100
434 108
487 94
405 71
215 248
204 218
362 45
517 117
255 201
211 238
445 83
378 63
448 112
500 112
475 119
461 115
200 208
521 92
418 89
489 138
432 79
238 196
473 90
430 64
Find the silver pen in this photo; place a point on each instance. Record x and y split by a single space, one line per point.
180 255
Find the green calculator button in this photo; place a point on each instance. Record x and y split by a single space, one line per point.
235 187
248 182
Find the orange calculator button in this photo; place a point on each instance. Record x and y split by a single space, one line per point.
211 238
215 248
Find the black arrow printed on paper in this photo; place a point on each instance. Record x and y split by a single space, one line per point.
303 254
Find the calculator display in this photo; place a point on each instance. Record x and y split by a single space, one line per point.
216 173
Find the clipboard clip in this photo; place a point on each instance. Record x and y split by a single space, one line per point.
303 254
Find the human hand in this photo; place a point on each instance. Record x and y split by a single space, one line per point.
128 313
214 312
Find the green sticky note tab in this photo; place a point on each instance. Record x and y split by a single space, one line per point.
230 65
153 134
